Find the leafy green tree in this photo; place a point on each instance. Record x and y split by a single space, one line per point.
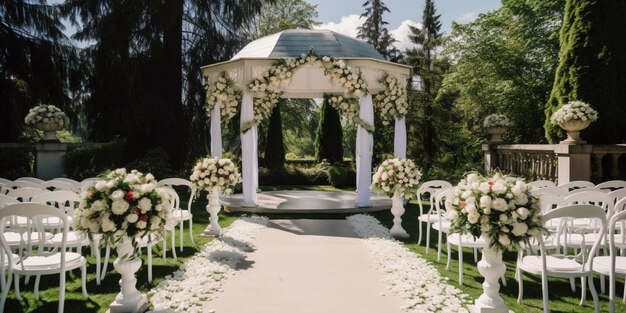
592 63
374 29
274 146
282 15
328 142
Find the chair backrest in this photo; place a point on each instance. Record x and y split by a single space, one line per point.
89 182
21 184
597 198
576 185
551 190
597 214
3 189
573 191
441 196
430 187
68 180
172 182
618 194
550 201
31 179
538 184
57 185
174 199
5 181
26 193
63 199
6 200
612 185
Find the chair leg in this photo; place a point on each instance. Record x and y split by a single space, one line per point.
503 278
439 239
107 254
165 247
520 284
37 279
460 249
95 250
475 255
83 278
181 226
427 237
149 248
61 291
191 231
419 228
449 255
594 294
17 287
602 288
583 291
572 283
5 291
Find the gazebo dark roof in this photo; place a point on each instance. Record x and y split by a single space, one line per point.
292 43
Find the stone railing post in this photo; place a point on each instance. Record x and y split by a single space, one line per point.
574 162
50 160
490 157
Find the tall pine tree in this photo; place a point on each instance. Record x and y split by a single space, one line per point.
374 29
591 68
329 138
425 65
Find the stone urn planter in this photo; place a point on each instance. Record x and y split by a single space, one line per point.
496 133
49 130
491 268
573 128
129 299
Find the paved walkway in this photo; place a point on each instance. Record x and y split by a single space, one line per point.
302 266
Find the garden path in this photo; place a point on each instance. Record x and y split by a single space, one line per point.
302 266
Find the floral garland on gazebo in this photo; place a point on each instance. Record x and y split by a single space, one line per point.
224 91
392 101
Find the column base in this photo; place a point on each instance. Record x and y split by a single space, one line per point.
139 307
473 308
208 232
248 205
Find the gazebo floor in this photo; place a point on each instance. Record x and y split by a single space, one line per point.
305 202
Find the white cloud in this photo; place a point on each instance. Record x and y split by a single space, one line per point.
401 34
467 17
348 25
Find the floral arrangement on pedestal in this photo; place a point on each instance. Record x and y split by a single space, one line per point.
124 205
496 120
268 87
573 117
392 101
43 114
224 91
399 179
216 176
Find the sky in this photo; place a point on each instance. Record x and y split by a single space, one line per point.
342 16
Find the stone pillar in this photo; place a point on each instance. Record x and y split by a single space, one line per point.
490 157
574 162
50 160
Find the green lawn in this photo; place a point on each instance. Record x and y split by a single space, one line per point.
561 297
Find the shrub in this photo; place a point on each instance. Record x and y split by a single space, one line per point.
292 176
90 161
156 162
337 175
16 163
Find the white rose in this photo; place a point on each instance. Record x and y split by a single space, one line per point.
101 185
484 187
519 229
473 217
452 215
521 199
523 213
499 205
119 207
466 194
147 188
117 195
99 205
498 188
141 224
472 177
485 202
107 224
144 205
132 218
533 232
504 240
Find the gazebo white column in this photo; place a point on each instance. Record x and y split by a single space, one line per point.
216 131
364 147
248 152
399 138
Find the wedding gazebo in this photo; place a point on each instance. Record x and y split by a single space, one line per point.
307 64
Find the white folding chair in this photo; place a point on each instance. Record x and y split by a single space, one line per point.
612 265
70 181
26 193
55 185
57 261
576 185
538 184
557 265
429 187
441 225
22 184
551 190
31 179
612 185
179 214
5 181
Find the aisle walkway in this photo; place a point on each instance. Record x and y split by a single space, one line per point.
302 266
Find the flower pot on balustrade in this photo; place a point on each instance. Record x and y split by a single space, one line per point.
49 130
496 133
573 128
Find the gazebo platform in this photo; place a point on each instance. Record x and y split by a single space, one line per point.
305 202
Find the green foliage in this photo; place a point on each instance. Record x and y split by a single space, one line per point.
92 160
328 141
340 176
292 176
15 164
274 146
374 30
281 15
592 63
156 162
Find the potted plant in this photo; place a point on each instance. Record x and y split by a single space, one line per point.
496 125
47 118
503 213
398 178
573 117
215 176
122 208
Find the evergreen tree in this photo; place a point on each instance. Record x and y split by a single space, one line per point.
591 68
374 29
274 146
328 140
425 65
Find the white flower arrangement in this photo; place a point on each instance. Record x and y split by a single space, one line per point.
397 175
496 120
211 172
124 205
46 114
263 107
392 101
223 91
574 110
498 207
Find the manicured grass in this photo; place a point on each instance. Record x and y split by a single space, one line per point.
100 297
562 299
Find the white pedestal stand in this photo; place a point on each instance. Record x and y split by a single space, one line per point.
492 268
129 299
397 209
214 206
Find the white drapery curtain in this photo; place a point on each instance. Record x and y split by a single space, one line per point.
249 153
216 131
399 138
364 147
